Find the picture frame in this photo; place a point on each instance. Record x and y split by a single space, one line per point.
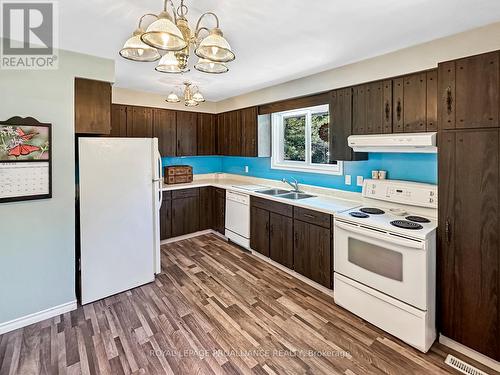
25 160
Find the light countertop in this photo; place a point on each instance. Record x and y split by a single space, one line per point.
329 201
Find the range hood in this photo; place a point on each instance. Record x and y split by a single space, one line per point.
403 142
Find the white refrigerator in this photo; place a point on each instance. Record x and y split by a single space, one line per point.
119 199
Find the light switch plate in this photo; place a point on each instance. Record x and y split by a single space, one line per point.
359 180
347 179
246 168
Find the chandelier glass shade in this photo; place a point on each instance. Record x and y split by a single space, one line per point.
169 64
192 96
135 49
215 48
169 35
208 66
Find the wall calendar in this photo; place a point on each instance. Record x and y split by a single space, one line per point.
25 160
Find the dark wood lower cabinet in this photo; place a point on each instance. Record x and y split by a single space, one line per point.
207 195
259 230
219 210
185 212
281 239
166 216
191 210
312 252
469 238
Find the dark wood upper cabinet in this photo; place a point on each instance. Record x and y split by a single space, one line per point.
118 121
233 128
281 239
259 230
387 106
398 105
249 131
222 139
185 212
187 129
415 102
374 108
139 122
206 134
468 247
446 95
469 92
92 106
341 127
164 128
432 87
359 96
312 252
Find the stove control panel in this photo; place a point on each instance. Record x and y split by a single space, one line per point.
403 192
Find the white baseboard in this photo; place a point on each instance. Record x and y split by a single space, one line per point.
471 353
37 317
191 235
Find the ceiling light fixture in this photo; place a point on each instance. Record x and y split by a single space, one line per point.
135 49
171 34
192 96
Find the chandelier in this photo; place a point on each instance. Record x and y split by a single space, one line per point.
170 40
192 96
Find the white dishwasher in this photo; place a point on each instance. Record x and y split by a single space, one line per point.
238 218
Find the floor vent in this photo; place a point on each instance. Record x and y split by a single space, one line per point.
462 366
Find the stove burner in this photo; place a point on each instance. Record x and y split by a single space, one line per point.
418 219
359 214
372 211
406 224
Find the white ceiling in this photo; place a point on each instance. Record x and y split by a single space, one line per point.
274 41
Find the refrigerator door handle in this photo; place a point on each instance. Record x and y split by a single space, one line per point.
160 179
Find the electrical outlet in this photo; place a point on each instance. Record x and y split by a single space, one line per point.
246 168
347 179
359 180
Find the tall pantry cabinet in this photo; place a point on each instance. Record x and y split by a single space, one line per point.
469 198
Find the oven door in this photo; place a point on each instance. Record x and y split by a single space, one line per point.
391 264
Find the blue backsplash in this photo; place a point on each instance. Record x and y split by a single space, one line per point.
399 166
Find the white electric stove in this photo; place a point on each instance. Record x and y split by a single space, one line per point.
385 259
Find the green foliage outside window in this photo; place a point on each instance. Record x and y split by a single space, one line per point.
295 138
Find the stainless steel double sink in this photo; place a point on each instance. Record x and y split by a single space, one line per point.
287 194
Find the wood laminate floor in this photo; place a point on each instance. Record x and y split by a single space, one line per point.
214 310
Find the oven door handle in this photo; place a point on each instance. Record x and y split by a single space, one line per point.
387 237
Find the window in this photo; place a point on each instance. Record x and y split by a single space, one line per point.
300 141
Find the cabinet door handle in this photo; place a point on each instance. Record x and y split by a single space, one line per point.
267 227
387 110
449 100
309 216
296 238
398 110
271 229
178 144
173 212
448 231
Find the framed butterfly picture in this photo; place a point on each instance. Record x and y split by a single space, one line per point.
25 160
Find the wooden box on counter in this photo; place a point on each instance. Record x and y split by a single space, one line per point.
178 174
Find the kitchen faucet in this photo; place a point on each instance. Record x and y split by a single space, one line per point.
294 185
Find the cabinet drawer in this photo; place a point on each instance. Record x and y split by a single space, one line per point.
185 193
272 206
313 217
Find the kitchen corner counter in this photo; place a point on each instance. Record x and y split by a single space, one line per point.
326 200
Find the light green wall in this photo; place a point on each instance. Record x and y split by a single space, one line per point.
37 238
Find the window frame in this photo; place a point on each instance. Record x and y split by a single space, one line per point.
278 144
